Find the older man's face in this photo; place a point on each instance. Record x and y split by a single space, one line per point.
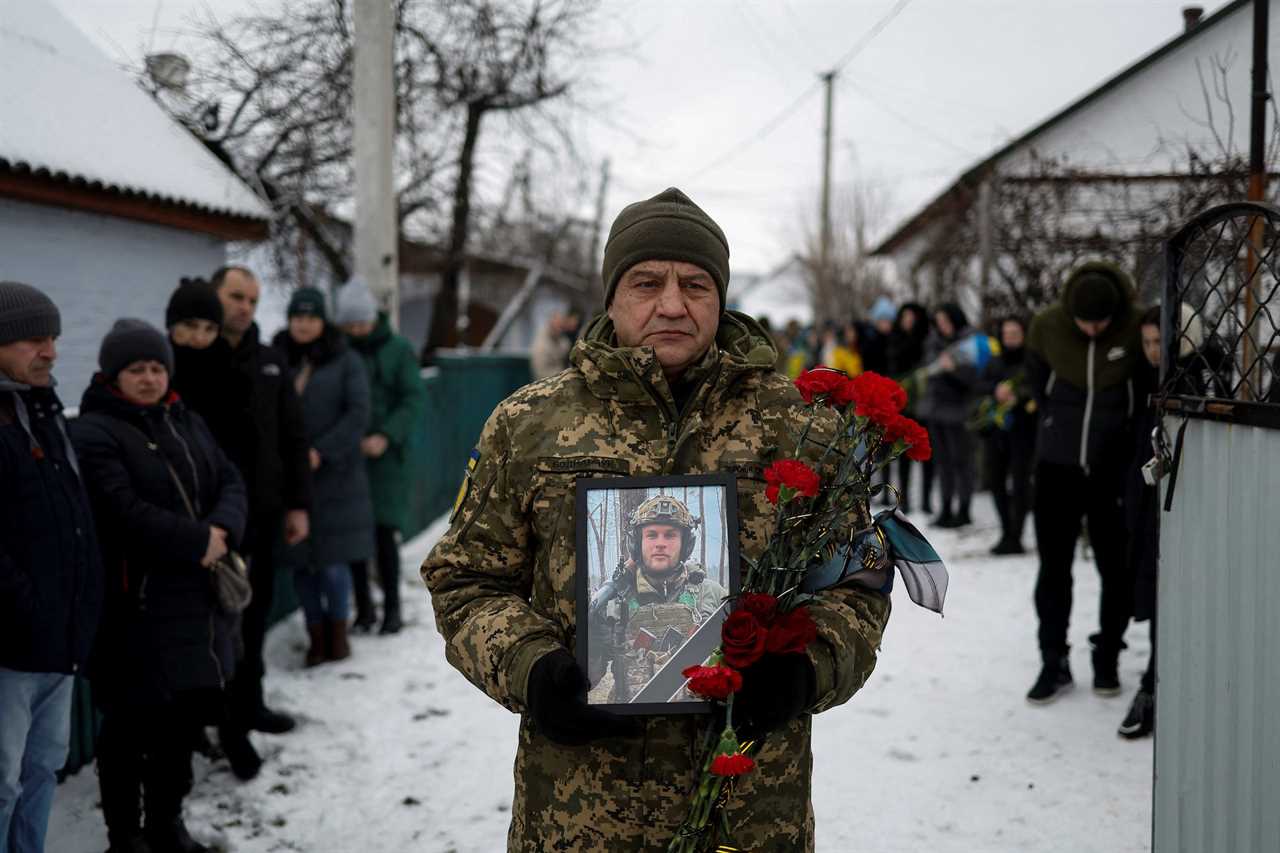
671 306
29 361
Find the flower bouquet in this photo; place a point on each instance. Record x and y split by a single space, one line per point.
819 539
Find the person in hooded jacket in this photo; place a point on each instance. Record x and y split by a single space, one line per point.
1082 354
398 405
333 384
168 503
949 394
1010 445
903 356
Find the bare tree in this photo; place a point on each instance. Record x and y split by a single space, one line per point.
854 278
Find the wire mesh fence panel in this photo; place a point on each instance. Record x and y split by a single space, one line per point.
1221 316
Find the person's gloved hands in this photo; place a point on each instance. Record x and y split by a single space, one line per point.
558 704
775 690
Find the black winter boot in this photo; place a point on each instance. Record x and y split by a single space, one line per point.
945 520
1054 679
962 518
245 761
171 836
365 617
1106 678
1141 719
129 842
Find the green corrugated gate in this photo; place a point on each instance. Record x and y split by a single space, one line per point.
460 395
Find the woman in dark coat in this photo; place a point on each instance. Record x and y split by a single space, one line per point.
904 355
334 387
164 652
1010 444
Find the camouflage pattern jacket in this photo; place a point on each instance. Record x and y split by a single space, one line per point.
502 585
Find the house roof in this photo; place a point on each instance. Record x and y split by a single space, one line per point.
69 117
958 195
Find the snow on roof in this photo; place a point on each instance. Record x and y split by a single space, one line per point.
66 109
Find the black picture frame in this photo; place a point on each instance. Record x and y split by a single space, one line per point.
602 645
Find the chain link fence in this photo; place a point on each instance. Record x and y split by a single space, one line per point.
1221 316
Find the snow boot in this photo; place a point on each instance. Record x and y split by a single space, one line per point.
318 652
1106 678
128 842
257 717
962 518
171 836
244 759
945 520
365 617
391 624
1007 547
1141 719
339 645
1054 680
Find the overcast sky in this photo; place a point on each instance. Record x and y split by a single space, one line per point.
943 85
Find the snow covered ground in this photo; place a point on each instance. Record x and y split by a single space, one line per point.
940 751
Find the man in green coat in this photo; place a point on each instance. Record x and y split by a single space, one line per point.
398 407
665 382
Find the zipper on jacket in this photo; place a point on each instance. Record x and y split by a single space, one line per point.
217 664
1088 409
195 474
1048 386
1129 385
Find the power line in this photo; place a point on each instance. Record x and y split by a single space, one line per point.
774 123
911 123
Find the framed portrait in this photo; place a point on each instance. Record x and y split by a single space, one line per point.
657 558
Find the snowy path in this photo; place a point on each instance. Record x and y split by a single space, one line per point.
940 751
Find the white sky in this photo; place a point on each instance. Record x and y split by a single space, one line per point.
941 87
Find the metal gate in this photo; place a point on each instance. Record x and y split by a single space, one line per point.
1217 750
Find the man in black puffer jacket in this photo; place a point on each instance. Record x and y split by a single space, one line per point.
261 429
50 573
1082 354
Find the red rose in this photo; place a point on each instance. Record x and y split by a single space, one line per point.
878 397
760 605
793 475
742 639
791 633
732 765
826 382
713 682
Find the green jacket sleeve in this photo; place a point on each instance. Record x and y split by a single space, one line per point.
480 576
408 395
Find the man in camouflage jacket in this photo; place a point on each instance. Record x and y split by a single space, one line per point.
666 382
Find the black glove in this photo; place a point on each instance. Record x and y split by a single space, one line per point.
775 690
558 704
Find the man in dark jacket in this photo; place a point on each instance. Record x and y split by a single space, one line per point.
267 442
1081 357
50 572
397 406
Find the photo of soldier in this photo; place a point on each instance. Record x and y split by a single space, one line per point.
656 598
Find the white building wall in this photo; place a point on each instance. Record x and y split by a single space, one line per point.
97 269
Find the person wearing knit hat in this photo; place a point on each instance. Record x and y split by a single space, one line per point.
194 315
307 302
51 585
132 340
1082 354
355 305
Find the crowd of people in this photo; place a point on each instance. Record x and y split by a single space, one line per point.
1052 415
141 539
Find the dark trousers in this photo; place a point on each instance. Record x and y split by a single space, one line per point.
1149 677
953 451
1008 473
246 688
388 559
144 759
1065 495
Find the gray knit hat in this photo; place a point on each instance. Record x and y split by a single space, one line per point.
667 227
25 312
133 340
355 304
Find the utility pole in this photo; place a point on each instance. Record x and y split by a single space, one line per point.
985 247
376 228
1251 372
594 258
824 250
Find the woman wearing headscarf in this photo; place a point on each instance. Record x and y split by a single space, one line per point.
167 504
333 385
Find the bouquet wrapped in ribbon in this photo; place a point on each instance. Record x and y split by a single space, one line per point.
818 541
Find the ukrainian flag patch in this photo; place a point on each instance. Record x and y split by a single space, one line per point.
465 488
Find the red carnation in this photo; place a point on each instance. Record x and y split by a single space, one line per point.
732 765
826 382
713 682
791 633
760 605
792 475
917 441
742 639
878 397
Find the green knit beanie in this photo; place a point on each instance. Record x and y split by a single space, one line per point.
307 301
667 227
1095 295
